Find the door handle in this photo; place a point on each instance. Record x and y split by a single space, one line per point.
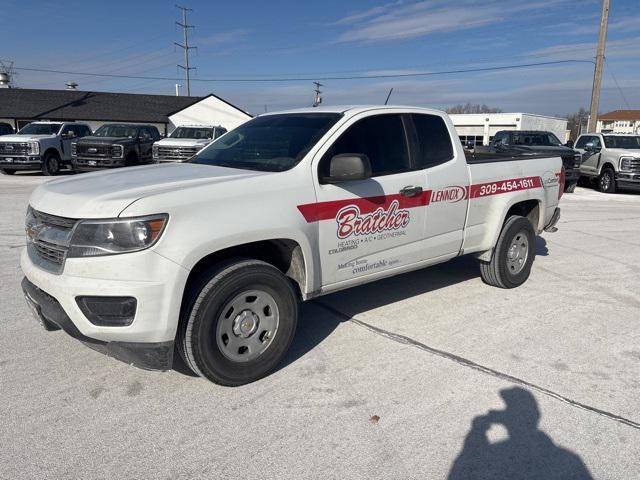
411 191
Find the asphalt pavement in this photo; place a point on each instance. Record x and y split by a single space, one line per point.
428 375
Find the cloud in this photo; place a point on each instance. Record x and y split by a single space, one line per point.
223 38
627 47
397 21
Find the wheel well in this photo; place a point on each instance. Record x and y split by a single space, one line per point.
132 154
284 254
51 150
529 209
608 165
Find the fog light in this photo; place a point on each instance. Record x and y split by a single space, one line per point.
108 311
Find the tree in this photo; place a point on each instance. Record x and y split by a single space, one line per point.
575 121
473 108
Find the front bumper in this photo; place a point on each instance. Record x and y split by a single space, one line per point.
628 179
88 164
154 281
21 162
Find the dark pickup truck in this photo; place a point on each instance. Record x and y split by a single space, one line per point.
115 145
535 142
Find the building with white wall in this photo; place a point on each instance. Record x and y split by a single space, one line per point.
19 107
481 127
619 121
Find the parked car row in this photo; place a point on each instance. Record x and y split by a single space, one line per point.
50 146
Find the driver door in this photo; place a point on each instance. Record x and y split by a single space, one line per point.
368 226
67 136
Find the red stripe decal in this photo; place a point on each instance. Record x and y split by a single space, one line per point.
313 212
504 186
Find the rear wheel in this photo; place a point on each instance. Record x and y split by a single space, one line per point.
511 263
239 322
51 164
607 181
8 171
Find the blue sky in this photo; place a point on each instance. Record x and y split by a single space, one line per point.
257 39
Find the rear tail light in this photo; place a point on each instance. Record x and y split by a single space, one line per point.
561 182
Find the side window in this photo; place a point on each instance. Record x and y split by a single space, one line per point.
582 141
434 141
220 132
84 130
155 134
144 133
596 142
501 138
68 130
382 138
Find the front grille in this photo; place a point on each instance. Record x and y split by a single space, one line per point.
53 253
95 151
633 166
176 154
14 148
48 238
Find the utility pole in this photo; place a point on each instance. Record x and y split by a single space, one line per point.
597 74
185 28
318 99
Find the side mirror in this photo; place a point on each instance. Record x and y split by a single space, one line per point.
470 144
348 166
590 147
69 135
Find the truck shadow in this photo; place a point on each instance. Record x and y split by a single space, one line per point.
527 452
315 324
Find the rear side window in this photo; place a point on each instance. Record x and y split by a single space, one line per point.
382 138
434 141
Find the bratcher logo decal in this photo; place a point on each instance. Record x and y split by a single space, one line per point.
351 221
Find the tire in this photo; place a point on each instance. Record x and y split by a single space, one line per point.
571 187
8 171
513 256
607 181
222 333
51 164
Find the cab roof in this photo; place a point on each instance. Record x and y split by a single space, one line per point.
353 109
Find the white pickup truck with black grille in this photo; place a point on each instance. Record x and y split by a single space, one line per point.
213 256
184 142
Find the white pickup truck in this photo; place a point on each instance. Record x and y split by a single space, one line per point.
184 142
213 256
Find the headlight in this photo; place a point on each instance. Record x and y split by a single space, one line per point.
74 149
155 151
117 151
626 163
93 238
34 148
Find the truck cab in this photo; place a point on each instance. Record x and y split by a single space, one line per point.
42 146
610 161
185 141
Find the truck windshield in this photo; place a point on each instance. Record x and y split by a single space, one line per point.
117 131
272 143
631 142
545 139
40 129
192 132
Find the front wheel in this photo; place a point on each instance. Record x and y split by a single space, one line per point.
513 257
238 322
607 181
51 164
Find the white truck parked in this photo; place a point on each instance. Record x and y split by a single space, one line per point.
184 142
212 257
610 160
42 146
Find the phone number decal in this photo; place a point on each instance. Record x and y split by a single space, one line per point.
504 186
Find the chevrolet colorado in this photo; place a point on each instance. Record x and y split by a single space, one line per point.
211 257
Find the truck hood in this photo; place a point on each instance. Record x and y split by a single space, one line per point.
105 140
23 138
106 194
629 152
182 142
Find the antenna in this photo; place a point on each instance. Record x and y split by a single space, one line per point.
318 98
387 100
185 29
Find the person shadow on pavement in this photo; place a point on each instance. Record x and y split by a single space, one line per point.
528 453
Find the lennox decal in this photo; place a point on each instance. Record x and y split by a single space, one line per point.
352 222
452 194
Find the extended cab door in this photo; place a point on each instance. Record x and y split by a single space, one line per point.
444 172
376 224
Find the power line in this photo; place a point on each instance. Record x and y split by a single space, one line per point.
307 79
617 84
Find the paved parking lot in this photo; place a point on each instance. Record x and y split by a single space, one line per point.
427 375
